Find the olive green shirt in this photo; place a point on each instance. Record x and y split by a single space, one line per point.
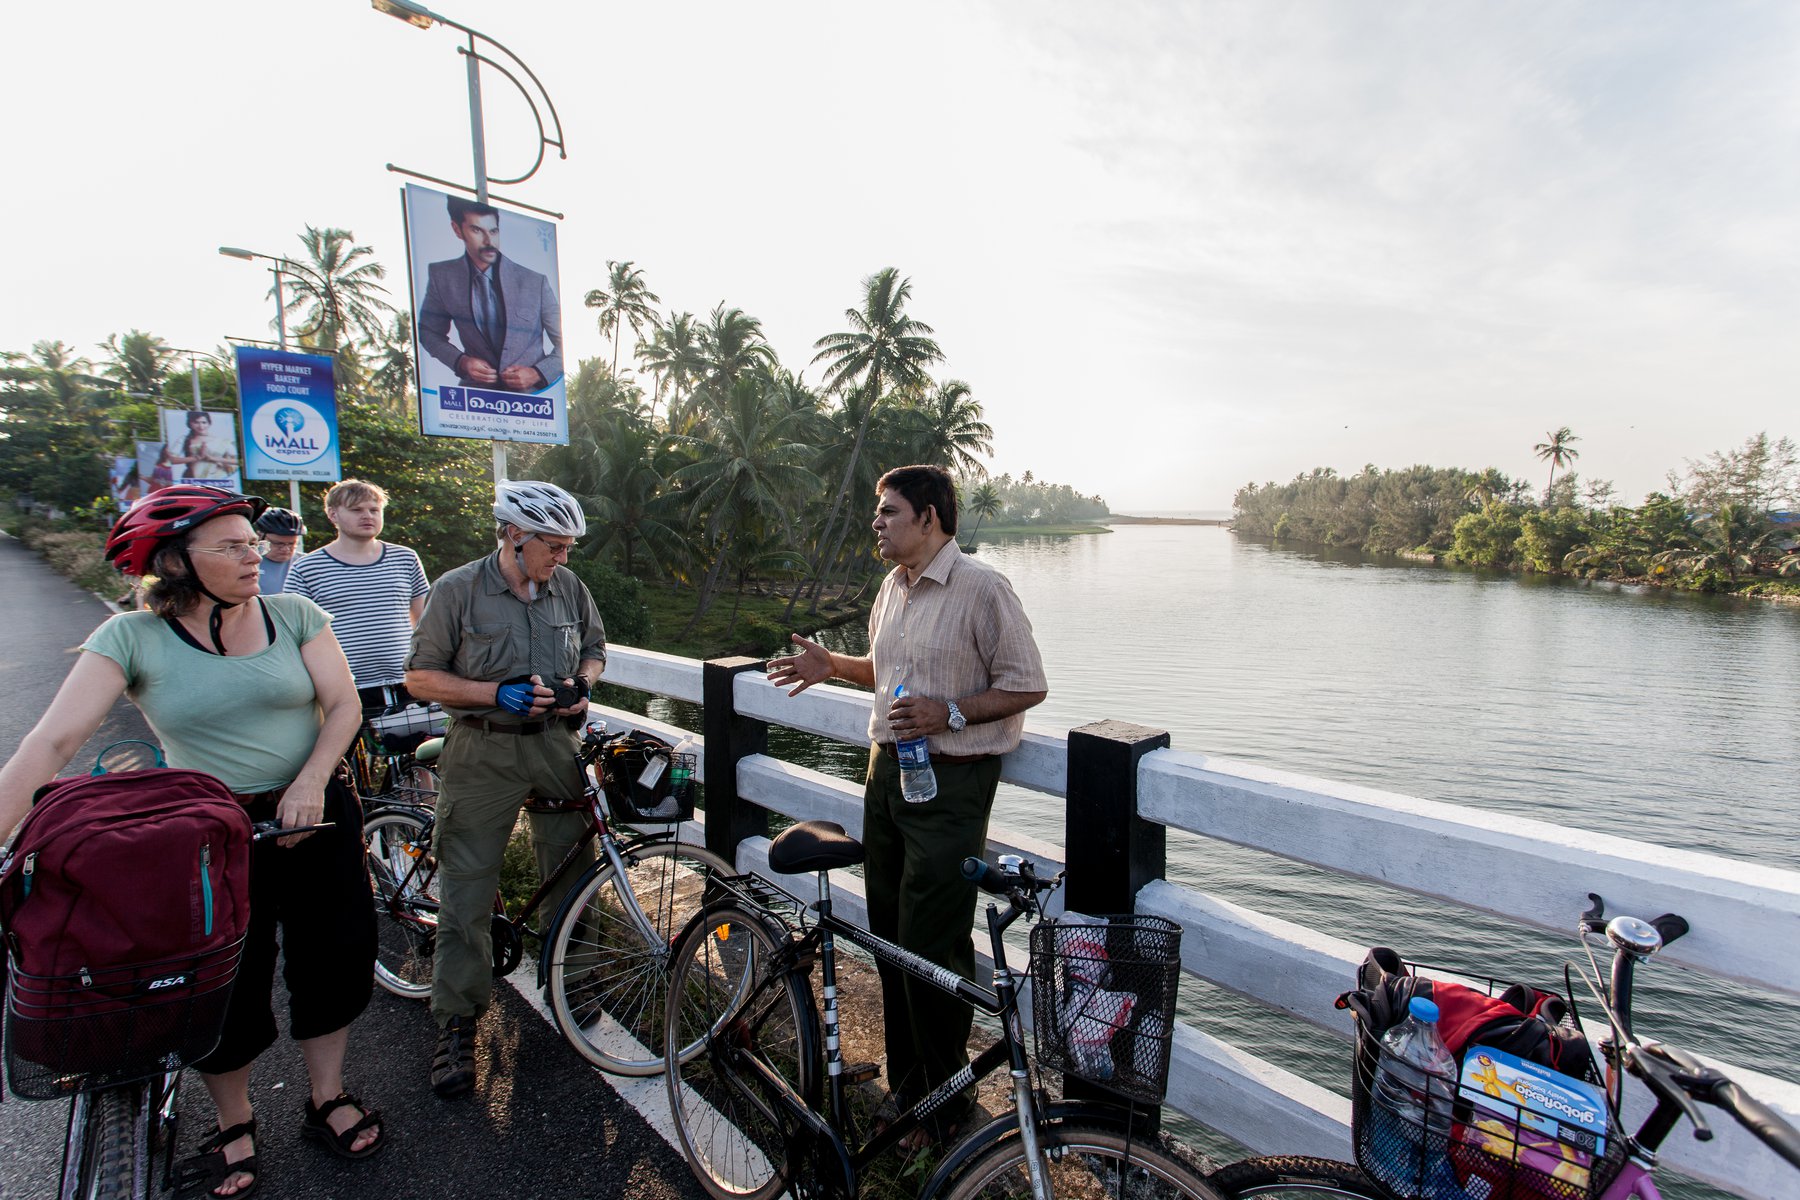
475 627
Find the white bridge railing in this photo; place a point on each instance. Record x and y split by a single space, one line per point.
1745 917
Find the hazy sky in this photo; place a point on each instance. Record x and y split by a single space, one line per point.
1172 247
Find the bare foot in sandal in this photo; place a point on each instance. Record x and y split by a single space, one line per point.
345 1126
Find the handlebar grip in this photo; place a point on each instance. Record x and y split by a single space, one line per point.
1768 1126
1670 926
986 876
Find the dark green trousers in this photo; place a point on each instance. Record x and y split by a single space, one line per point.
919 900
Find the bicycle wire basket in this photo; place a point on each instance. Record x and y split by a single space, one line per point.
1487 1146
99 1029
1103 1000
646 782
402 729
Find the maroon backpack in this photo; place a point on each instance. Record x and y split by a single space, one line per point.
124 903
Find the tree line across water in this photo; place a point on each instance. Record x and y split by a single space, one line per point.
1727 522
712 469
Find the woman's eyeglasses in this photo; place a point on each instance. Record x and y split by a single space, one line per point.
236 551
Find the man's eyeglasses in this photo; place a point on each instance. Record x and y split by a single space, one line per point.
555 550
236 551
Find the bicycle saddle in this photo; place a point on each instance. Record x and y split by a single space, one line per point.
428 751
814 846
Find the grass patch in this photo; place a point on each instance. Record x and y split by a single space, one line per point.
761 628
1080 527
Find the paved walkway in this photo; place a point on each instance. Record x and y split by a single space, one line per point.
540 1123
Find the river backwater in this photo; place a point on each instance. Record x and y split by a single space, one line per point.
1669 718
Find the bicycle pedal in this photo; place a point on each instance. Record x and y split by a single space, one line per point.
861 1072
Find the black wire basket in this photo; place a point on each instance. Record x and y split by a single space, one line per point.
98 1029
660 792
1103 1001
1464 1147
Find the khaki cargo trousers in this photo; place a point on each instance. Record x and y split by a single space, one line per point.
487 777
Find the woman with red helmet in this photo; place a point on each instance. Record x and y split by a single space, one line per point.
255 690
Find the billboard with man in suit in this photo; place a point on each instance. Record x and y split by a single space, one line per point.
487 321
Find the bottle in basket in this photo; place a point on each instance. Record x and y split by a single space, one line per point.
1415 1087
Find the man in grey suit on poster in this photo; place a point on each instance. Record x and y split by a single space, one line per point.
503 312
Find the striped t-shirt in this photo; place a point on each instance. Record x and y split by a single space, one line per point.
370 607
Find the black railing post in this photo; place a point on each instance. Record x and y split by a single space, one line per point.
1109 851
729 738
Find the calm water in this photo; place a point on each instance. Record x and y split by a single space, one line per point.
1663 717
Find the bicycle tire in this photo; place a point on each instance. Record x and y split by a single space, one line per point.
1083 1161
1292 1177
607 988
403 885
105 1148
728 1000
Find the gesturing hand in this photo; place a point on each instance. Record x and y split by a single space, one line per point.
810 665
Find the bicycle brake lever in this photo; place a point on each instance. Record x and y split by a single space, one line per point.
1670 1083
1594 919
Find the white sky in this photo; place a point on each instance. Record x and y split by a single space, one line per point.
1172 247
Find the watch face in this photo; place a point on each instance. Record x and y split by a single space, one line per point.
957 721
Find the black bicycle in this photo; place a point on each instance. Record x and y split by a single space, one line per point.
759 1097
604 954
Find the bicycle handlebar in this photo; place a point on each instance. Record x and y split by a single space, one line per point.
1675 1076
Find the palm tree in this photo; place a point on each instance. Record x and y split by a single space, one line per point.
952 429
746 469
882 345
136 361
984 501
346 302
1559 451
1729 540
675 355
625 300
1484 488
391 368
732 346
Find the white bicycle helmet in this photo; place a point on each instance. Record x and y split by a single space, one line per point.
538 508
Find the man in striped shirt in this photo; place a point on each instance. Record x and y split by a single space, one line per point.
374 591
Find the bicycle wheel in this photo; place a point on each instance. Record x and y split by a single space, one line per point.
733 1014
1084 1164
107 1150
608 979
1289 1176
403 882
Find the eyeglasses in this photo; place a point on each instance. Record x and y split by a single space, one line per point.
557 551
236 551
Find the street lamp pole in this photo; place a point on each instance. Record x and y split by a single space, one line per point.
278 264
423 18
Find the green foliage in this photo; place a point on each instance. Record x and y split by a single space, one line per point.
620 599
1546 537
1032 501
1486 538
1381 512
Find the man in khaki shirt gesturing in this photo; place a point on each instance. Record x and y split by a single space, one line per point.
950 629
497 637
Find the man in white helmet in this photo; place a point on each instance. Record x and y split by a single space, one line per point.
497 638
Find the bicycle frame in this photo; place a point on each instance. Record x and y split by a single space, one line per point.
1001 1002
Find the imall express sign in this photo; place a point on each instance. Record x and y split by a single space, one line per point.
289 409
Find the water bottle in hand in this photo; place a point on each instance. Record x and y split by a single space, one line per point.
918 782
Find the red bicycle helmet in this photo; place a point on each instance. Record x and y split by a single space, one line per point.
167 513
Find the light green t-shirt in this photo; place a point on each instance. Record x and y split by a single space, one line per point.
251 720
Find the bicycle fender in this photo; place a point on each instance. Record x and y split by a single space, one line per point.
1007 1125
575 889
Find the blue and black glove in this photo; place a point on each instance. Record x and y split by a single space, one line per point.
516 695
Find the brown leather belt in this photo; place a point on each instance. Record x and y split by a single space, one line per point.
519 727
272 796
949 760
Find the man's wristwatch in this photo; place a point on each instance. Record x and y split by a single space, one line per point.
958 722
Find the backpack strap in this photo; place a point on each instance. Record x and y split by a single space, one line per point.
156 750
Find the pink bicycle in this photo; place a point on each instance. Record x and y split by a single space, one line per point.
1519 1165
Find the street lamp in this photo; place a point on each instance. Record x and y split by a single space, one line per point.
421 17
325 290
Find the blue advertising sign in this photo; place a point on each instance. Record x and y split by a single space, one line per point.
289 407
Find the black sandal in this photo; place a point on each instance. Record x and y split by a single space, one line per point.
207 1170
316 1127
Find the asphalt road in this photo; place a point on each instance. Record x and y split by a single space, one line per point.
540 1122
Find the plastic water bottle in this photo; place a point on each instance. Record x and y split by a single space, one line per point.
918 782
1412 1097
